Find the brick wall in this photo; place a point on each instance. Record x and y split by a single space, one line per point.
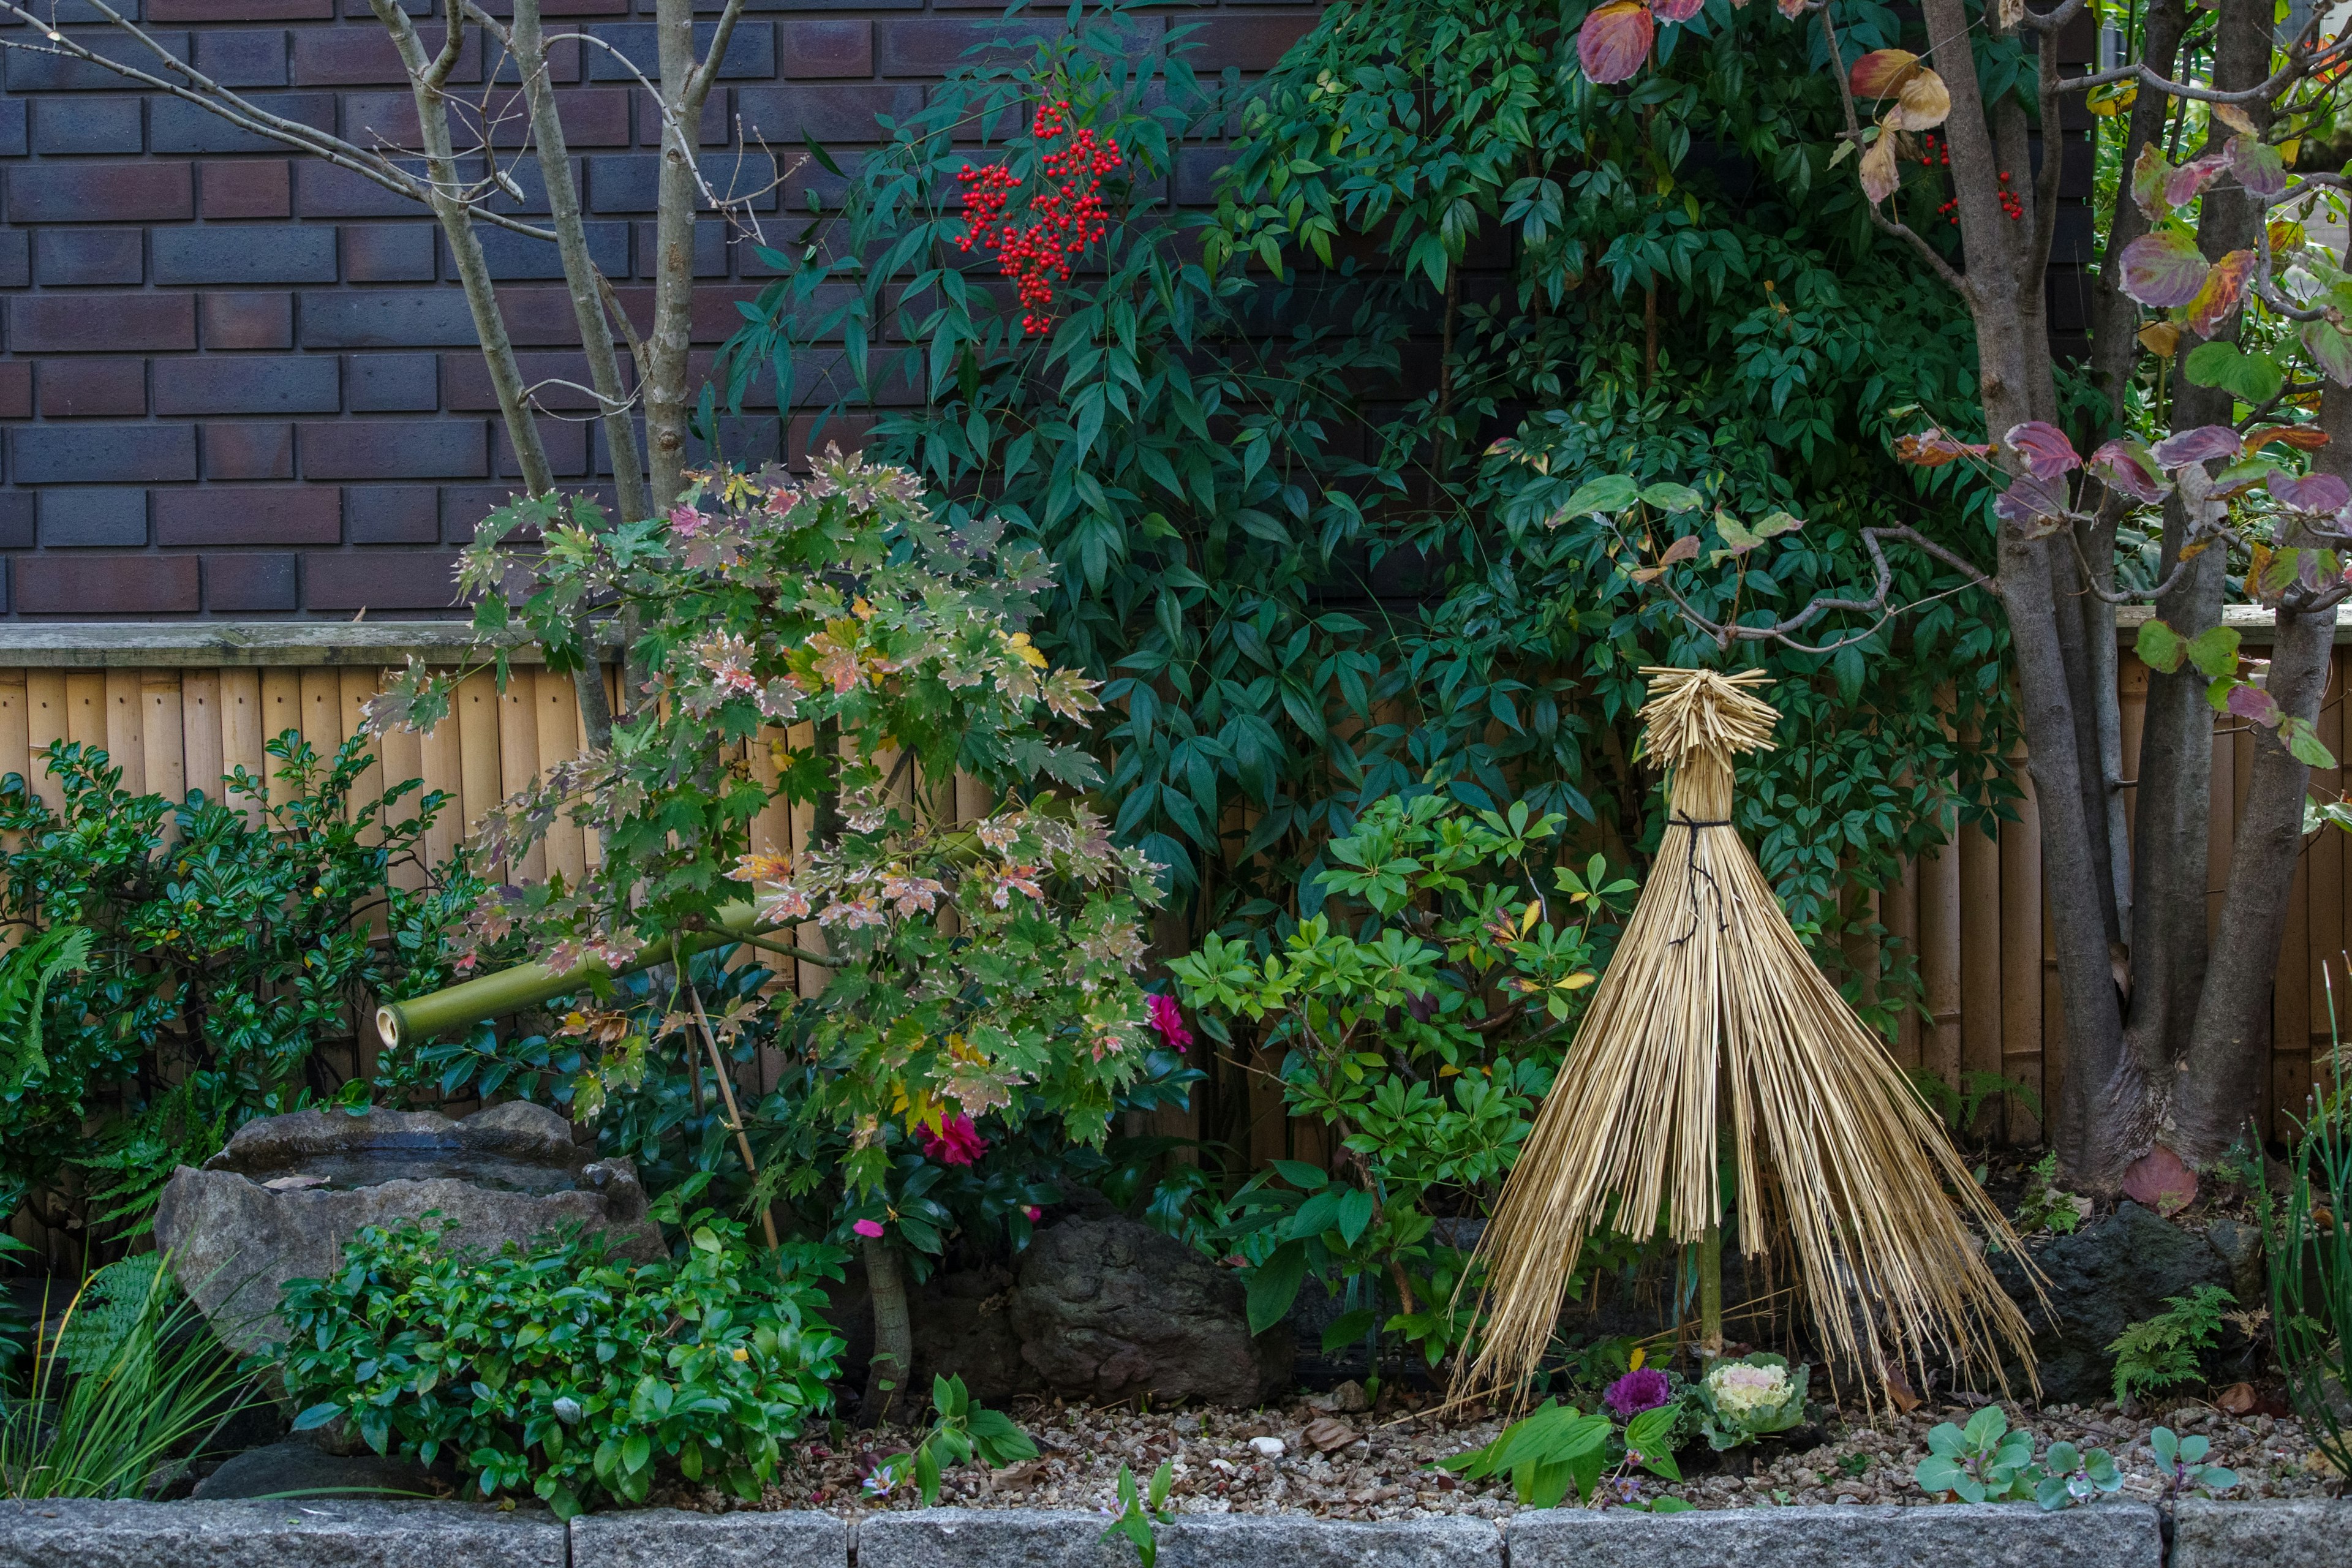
240 383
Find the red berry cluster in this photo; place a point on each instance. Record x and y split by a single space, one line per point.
1937 153
1066 216
2009 201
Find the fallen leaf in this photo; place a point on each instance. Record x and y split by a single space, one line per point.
2158 1180
1899 1392
1328 1433
2238 1399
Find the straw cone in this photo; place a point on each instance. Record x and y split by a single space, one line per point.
1711 998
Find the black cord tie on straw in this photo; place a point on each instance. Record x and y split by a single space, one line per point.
1691 858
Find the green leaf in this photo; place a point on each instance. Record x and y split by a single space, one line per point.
1272 1285
2214 650
1669 496
1349 1328
636 1452
2159 647
1306 1178
2304 743
1355 1214
1609 494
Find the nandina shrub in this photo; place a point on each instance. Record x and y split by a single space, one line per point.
1064 208
560 1371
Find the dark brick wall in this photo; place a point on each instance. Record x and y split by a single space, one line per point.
240 383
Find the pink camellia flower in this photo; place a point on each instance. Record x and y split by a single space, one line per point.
957 1142
1168 1019
869 1229
1030 1213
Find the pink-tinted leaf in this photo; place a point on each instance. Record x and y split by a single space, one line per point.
1615 39
2330 350
1926 103
2302 437
2257 165
1677 10
2163 269
2316 493
1792 9
2130 468
1882 72
2252 702
1931 449
1683 548
2044 447
2201 444
2036 506
1879 174
2181 187
2224 290
2148 175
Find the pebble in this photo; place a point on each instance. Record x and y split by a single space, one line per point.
1270 1448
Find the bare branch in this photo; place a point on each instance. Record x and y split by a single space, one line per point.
1879 220
2048 21
1726 633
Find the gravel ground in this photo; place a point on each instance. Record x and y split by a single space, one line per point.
1343 1464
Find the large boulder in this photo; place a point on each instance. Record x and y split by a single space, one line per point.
282 1200
1105 1308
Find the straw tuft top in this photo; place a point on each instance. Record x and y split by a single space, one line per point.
1695 712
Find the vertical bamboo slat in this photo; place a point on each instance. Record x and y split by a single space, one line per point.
475 711
86 707
46 706
1940 961
244 732
437 763
15 746
163 734
517 731
1981 1013
200 723
124 735
281 711
2325 857
2021 960
352 689
556 712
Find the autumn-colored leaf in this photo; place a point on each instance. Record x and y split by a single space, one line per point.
1879 175
1614 40
1792 9
2316 493
1677 10
2128 467
2163 268
2236 118
1683 548
2286 234
2148 175
1926 103
2302 437
2160 339
2252 703
1931 449
1882 72
2184 183
2036 506
2330 349
2201 444
2044 447
2223 291
2257 165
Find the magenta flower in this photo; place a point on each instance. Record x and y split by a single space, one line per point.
1637 1390
1030 1213
870 1228
957 1142
1168 1019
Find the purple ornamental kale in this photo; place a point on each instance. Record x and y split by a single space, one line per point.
1635 1392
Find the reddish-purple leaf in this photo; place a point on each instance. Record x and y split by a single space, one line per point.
2197 446
1677 10
2163 268
2036 506
2044 447
2148 175
1882 72
2224 288
2130 468
2181 187
1615 39
2317 493
2252 702
2331 349
2257 165
1931 449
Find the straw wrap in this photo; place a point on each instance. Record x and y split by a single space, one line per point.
1711 998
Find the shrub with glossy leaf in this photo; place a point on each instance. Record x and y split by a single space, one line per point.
560 1371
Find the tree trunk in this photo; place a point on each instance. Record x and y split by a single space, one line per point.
678 195
894 1337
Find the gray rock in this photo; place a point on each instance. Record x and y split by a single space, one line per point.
297 1466
312 1533
2105 1535
670 1538
508 1173
1108 1308
2241 1246
1024 1538
2307 1532
2115 1271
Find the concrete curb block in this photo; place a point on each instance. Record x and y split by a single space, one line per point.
2103 1536
670 1538
298 1533
2303 1534
1007 1538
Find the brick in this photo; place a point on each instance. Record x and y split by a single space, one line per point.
751 50
13 141
364 57
225 514
592 117
465 506
830 113
128 454
101 323
16 258
241 10
88 125
406 580
248 322
387 318
249 451
830 48
466 382
586 8
249 582
110 518
93 388
16 530
388 252
81 13
246 383
67 256
518 256
247 58
323 190
396 450
629 183
106 586
908 46
250 188
29 72
393 514
101 193
241 254
16 389
566 441
746 440
174 125
391 383
1249 43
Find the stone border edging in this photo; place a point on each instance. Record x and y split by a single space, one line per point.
310 1532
